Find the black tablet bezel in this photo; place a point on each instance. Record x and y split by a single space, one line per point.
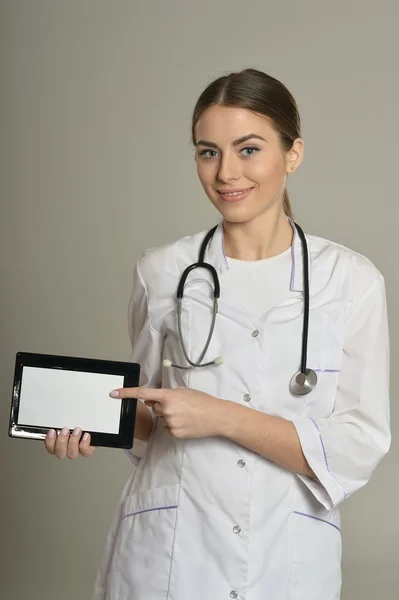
129 371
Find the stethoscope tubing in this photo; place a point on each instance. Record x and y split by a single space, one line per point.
302 382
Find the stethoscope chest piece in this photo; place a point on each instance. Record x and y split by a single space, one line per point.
303 383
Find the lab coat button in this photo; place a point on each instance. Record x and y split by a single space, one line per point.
255 333
247 397
237 529
233 594
241 463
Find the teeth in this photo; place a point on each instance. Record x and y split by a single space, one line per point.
232 193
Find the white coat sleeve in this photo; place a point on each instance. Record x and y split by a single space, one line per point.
147 346
344 449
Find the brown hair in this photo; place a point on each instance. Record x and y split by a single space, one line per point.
260 93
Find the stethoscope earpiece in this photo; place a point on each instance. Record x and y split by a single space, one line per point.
168 363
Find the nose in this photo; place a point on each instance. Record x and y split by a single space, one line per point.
229 168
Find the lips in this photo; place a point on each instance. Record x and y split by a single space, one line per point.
235 194
234 190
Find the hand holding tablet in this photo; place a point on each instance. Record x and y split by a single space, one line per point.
52 392
66 445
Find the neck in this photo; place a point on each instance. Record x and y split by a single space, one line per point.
267 236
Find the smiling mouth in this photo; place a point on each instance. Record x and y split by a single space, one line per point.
234 195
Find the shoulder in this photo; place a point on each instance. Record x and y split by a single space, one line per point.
345 265
164 262
347 258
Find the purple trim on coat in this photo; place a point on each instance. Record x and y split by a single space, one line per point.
224 254
316 518
327 370
325 457
139 512
291 222
293 266
293 259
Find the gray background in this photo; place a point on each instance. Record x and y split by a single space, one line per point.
96 98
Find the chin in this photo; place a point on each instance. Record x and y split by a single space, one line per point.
247 212
243 216
237 218
237 214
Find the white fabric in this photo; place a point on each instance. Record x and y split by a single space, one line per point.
259 284
173 537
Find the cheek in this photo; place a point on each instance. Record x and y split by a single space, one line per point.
206 174
270 171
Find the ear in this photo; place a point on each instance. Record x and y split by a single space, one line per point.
294 156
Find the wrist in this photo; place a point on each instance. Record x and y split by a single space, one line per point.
228 419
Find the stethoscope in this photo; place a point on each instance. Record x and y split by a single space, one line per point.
302 382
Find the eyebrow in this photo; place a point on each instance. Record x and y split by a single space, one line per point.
235 143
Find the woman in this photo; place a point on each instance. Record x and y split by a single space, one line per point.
237 494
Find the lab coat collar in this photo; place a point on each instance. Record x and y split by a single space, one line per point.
216 256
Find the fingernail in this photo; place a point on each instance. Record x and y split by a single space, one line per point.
64 431
76 431
85 437
51 434
114 394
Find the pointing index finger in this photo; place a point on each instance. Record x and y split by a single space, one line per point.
139 392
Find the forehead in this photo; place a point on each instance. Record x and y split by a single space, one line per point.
226 124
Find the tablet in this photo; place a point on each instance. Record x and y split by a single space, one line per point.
52 392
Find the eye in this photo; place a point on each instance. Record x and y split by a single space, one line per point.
208 153
249 150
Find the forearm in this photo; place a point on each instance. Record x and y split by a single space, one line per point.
143 426
272 437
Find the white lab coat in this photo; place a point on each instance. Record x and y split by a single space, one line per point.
207 519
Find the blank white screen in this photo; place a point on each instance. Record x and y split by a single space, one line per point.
60 398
